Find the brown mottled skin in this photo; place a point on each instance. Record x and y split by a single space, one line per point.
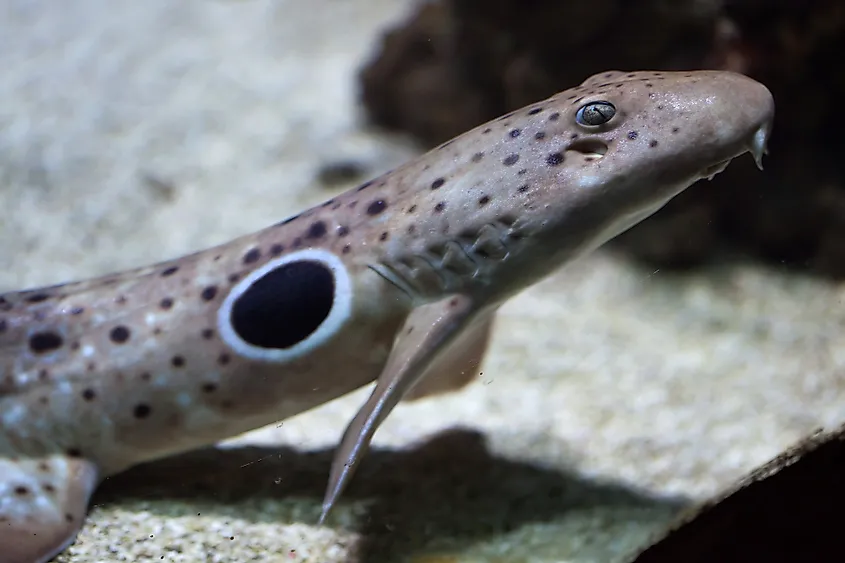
100 375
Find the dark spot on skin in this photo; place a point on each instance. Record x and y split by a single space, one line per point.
297 242
438 183
4 305
510 160
223 359
486 131
317 230
73 452
77 311
514 133
303 290
453 303
383 236
573 136
483 200
440 207
554 117
540 135
89 394
234 277
376 207
49 488
141 410
652 143
119 334
146 376
209 293
44 342
169 271
3 326
535 111
522 189
44 400
675 129
252 256
477 157
277 249
554 159
68 517
352 204
209 387
166 303
412 208
38 297
522 172
364 186
342 231
177 361
91 366
346 249
633 135
120 300
21 491
412 229
207 333
43 467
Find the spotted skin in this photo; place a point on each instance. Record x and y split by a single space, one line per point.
397 280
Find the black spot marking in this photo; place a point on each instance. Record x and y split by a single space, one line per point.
522 172
166 303
302 290
540 135
554 117
38 297
73 452
346 249
675 129
523 188
376 207
317 230
535 111
277 249
120 300
21 491
207 333
437 184
89 395
252 256
142 410
652 143
633 135
119 334
477 157
412 208
169 271
49 488
514 133
440 207
511 159
383 236
342 231
554 159
487 130
209 293
68 517
209 387
412 229
177 361
223 359
44 342
77 311
483 200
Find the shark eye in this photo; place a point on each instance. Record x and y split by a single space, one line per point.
595 113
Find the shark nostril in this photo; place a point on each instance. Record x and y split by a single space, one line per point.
592 148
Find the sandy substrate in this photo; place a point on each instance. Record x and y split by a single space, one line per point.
132 132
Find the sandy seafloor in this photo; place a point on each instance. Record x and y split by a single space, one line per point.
613 395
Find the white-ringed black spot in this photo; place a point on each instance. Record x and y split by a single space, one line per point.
287 307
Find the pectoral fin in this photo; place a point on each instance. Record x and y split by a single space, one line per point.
42 505
426 334
459 364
